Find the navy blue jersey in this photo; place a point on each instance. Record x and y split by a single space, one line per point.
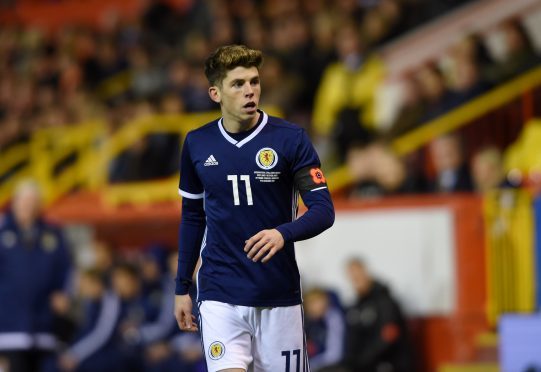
248 185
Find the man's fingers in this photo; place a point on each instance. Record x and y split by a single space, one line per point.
250 242
187 322
257 247
262 251
269 255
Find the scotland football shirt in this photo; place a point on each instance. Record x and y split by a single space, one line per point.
249 184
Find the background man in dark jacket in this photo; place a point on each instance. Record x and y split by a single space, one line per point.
34 267
377 337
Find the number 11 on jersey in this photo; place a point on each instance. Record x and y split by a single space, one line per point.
235 183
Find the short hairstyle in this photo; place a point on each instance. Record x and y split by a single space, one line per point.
228 57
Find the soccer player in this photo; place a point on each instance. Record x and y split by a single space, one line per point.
241 176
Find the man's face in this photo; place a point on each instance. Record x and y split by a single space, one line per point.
239 94
446 154
360 279
26 206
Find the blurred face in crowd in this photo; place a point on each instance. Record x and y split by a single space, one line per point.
150 270
125 284
348 45
389 171
446 153
431 83
27 204
360 278
316 304
238 94
103 256
90 286
487 169
466 74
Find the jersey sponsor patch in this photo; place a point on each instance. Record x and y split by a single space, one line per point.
310 179
266 158
216 350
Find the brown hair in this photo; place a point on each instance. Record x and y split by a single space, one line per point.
227 58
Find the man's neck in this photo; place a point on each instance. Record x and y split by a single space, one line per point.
234 126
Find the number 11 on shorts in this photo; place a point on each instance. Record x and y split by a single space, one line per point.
287 354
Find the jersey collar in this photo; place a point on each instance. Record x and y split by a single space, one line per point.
247 139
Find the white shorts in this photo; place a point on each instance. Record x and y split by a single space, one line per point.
259 339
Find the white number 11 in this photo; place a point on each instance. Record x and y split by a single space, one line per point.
243 177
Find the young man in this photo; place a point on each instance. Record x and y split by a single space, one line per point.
240 180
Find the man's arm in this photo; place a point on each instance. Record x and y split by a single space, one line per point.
191 233
98 337
319 217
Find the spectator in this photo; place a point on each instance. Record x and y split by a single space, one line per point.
325 330
438 98
487 170
347 87
377 336
520 54
34 268
158 297
467 82
377 172
103 259
94 348
171 350
452 172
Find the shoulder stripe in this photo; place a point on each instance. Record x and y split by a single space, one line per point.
319 188
190 195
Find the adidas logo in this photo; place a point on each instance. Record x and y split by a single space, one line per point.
211 161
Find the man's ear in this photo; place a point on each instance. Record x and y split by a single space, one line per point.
214 94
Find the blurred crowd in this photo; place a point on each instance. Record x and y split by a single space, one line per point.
322 70
126 69
104 309
466 71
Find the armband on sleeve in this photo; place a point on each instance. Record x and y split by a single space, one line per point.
310 179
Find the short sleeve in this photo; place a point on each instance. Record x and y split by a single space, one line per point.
190 185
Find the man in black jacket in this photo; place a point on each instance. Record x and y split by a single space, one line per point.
377 336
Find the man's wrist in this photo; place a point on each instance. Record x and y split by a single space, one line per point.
286 235
182 287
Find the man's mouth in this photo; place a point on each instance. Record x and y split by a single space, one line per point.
250 105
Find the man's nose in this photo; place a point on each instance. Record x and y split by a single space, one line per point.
248 90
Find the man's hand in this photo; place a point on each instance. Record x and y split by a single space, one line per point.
183 313
264 245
